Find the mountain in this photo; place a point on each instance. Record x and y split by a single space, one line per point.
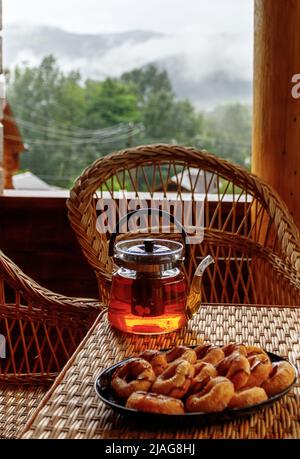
207 70
214 88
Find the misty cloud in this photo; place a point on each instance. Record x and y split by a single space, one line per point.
206 67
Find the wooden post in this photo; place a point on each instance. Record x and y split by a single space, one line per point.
1 106
276 111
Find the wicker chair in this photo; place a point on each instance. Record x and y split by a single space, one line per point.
39 332
247 227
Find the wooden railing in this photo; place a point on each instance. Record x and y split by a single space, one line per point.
35 233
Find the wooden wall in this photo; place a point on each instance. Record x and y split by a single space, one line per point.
35 233
1 106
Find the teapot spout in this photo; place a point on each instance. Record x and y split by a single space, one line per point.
193 301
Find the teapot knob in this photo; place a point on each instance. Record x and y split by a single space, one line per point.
149 245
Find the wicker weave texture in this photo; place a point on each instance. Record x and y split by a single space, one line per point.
251 236
41 330
71 409
17 404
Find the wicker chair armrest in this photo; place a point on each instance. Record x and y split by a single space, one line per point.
82 213
42 329
39 296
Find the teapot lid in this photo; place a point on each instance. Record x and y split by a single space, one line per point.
148 255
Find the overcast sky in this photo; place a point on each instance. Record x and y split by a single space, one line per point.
171 16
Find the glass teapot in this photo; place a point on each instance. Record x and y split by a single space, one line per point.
149 291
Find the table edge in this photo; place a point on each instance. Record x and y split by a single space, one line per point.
69 363
61 375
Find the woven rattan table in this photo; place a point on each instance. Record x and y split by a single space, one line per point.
71 408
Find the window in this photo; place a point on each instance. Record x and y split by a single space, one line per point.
85 81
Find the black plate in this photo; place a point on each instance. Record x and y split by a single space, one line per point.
104 391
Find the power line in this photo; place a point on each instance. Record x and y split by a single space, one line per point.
76 133
122 135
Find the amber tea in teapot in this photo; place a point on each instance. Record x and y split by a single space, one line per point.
148 292
154 298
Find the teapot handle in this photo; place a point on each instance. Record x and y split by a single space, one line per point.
148 212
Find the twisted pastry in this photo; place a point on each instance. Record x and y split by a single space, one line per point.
260 367
155 403
209 378
234 347
136 374
182 353
157 359
281 377
214 397
248 397
209 353
203 373
253 350
175 380
236 368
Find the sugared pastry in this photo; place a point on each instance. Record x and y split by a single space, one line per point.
136 374
260 367
236 368
181 353
206 378
155 403
214 397
281 376
234 347
175 380
253 350
248 397
157 359
203 372
209 353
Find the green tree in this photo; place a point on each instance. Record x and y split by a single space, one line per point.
61 118
68 123
165 119
46 104
109 103
148 80
227 132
